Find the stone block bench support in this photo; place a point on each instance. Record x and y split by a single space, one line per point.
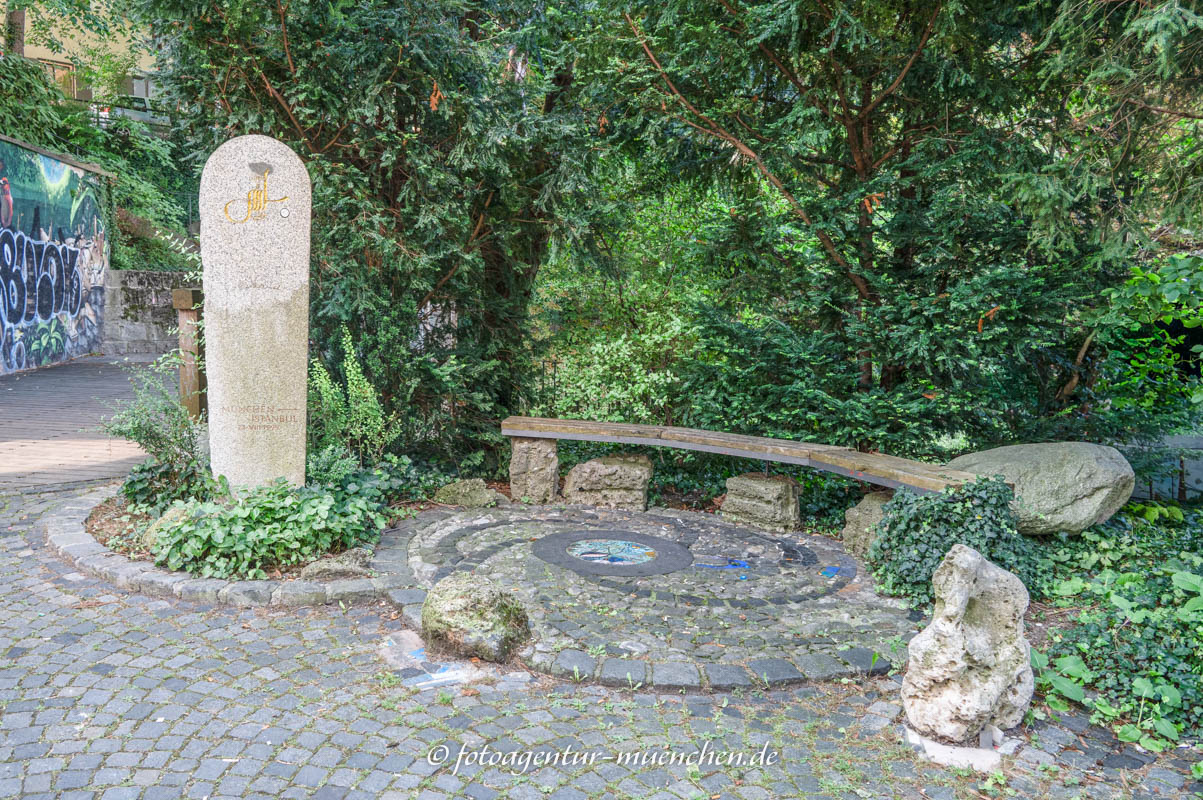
534 470
769 502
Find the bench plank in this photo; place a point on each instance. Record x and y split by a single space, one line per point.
755 444
877 468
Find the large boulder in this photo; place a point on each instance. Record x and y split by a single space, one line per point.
534 470
769 502
861 520
971 666
472 493
611 482
1059 486
468 615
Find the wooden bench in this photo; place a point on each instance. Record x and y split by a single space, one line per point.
875 468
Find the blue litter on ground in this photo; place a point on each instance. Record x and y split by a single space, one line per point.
829 572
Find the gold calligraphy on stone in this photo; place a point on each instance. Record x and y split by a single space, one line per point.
256 202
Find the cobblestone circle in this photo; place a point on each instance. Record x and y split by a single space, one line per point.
748 607
108 693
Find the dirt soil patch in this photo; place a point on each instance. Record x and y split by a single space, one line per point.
1043 620
112 524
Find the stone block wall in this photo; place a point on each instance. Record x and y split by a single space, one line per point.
138 313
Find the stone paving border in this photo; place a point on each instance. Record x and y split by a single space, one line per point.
66 535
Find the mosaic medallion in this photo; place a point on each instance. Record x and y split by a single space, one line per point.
619 554
611 551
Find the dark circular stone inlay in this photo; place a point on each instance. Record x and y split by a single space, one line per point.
617 553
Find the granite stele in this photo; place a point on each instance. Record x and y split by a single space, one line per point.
254 212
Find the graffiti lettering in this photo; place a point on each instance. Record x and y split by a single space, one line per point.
38 280
53 259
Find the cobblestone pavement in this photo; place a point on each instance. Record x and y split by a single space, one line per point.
48 425
107 694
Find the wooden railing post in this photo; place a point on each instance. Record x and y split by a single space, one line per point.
187 303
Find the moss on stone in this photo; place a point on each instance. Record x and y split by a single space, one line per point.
468 615
472 493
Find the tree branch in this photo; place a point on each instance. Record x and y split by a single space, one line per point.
893 87
714 129
283 9
480 221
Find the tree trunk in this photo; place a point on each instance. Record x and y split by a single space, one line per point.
14 32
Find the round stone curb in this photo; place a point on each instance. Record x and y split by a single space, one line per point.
67 536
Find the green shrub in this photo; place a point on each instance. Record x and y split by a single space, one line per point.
152 486
918 531
623 376
148 253
31 106
330 466
272 526
1133 653
158 422
350 417
399 478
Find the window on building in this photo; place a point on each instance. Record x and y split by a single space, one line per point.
62 73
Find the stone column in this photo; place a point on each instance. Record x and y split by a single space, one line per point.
255 210
534 470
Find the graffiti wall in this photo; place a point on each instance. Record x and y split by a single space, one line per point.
53 259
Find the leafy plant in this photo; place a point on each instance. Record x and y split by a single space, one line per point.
152 486
1133 651
158 422
349 417
330 465
271 526
918 530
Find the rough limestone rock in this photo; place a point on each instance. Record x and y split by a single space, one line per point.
351 563
534 470
471 617
769 502
860 521
1059 486
471 493
610 482
151 535
971 666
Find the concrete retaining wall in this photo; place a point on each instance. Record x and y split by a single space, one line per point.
138 313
